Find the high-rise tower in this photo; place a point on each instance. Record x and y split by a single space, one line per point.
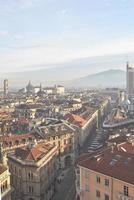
130 82
5 87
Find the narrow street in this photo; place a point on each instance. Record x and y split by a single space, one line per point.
66 189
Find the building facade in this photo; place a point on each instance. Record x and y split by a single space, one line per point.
64 137
5 87
107 175
130 82
33 172
6 190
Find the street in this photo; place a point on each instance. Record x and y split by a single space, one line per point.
66 189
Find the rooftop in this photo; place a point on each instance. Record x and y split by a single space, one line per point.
56 129
14 137
33 153
75 119
115 163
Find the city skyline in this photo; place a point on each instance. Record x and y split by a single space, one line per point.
66 99
46 34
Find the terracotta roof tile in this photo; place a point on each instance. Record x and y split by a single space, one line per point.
33 153
75 119
117 164
14 137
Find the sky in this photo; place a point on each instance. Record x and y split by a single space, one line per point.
48 33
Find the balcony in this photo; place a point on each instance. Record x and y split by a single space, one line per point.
121 196
6 192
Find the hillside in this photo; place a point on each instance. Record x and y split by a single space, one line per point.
109 78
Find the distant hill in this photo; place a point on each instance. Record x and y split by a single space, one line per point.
69 73
109 78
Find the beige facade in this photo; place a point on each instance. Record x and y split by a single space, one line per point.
88 127
33 172
106 174
98 186
64 137
5 193
60 89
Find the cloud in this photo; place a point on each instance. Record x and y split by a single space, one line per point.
27 3
30 46
8 7
108 3
18 36
3 33
63 11
52 52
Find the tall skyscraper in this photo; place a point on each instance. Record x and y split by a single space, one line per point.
5 87
130 82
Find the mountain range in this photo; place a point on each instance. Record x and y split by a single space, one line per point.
98 71
107 78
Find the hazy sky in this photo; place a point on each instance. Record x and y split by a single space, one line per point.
37 33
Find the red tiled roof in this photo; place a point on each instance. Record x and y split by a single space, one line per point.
117 164
14 137
118 140
127 146
33 153
75 119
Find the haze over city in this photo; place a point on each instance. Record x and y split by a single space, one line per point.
87 36
66 100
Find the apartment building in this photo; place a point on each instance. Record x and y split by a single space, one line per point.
33 172
63 136
107 175
5 187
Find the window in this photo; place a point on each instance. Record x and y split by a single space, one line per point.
59 143
19 172
98 193
106 182
6 185
70 140
30 189
126 191
86 174
98 179
30 175
87 188
106 197
15 170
